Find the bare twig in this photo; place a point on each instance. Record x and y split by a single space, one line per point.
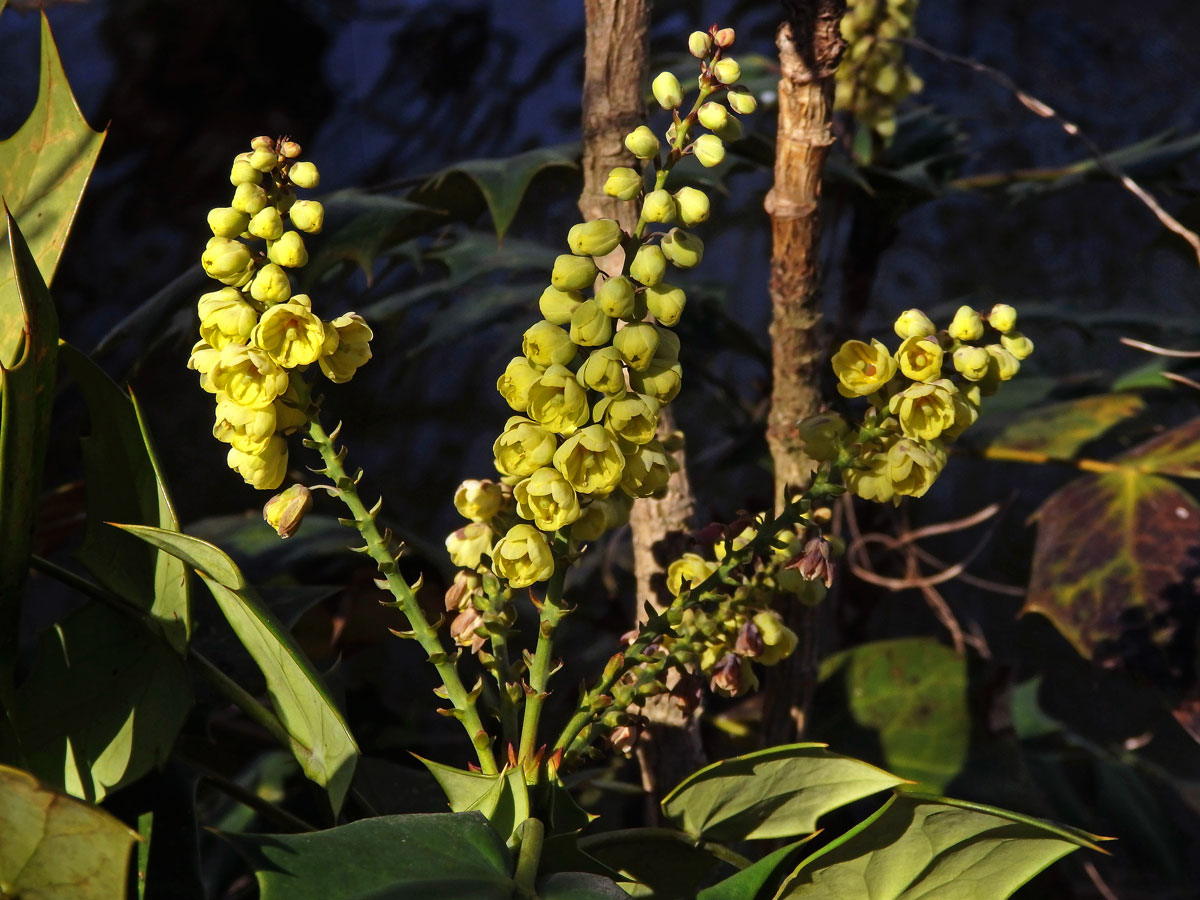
1182 379
1160 351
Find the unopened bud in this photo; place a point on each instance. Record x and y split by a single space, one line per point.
263 142
285 511
712 115
659 206
307 215
304 175
741 101
665 302
971 362
667 90
642 142
264 160
724 37
693 205
556 306
288 251
649 264
727 71
596 238
289 150
572 273
266 224
623 182
709 150
1003 318
616 297
913 323
1017 344
699 44
967 325
682 248
227 222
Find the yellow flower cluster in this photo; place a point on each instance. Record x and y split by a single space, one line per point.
256 336
598 368
872 78
922 396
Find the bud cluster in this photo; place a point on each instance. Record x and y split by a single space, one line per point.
256 336
598 368
917 407
872 78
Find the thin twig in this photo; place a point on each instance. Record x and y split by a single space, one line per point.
1045 111
1099 883
1182 379
1160 351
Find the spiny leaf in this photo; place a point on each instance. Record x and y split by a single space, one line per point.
1110 546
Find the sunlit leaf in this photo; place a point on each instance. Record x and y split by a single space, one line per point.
44 168
103 705
503 798
774 793
442 856
904 698
1059 430
1174 452
917 848
1109 549
56 848
758 879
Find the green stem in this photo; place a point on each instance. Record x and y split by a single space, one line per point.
681 133
533 833
421 630
502 669
539 672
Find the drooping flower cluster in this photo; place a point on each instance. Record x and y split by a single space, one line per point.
256 336
599 367
873 78
922 396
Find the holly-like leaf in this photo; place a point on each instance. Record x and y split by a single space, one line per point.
103 705
56 848
1059 430
44 168
1174 452
503 798
667 862
760 879
1109 549
921 847
775 793
906 698
440 856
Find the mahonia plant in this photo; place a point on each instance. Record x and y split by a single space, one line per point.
873 78
257 338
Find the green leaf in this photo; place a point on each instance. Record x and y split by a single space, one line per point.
56 848
922 847
321 740
905 698
26 399
1107 545
758 879
441 856
502 182
103 705
1059 430
125 484
1174 452
775 793
578 886
44 168
666 861
503 798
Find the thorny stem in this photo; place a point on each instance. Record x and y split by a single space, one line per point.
550 614
424 633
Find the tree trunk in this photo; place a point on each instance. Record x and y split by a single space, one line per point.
615 73
809 48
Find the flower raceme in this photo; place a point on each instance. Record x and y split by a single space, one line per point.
257 338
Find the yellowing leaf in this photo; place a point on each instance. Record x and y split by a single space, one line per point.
1059 430
1174 452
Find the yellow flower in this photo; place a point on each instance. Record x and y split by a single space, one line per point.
972 362
925 410
289 415
523 557
556 306
547 500
637 344
1003 318
632 417
862 369
244 427
912 465
573 273
920 358
590 327
519 376
291 335
665 302
649 264
823 435
228 261
226 318
648 468
352 350
598 237
478 500
468 544
288 251
284 512
967 325
247 376
682 248
557 402
271 285
602 371
913 323
873 481
687 572
591 461
264 470
779 641
523 447
616 297
545 344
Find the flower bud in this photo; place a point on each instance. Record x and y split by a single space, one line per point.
514 383
730 130
546 499
227 222
466 628
244 173
591 461
658 380
522 557
623 182
724 37
249 198
262 142
708 150
688 571
667 90
468 544
225 260
352 350
573 273
631 417
693 205
546 344
596 238
741 101
478 500
284 512
971 362
1005 362
463 589
264 160
649 264
266 224
304 175
557 402
616 297
556 306
1017 344
642 142
682 248
914 323
523 447
659 206
590 327
307 215
712 115
647 470
727 70
668 348
779 641
665 302
699 44
289 150
1003 318
823 435
288 251
602 371
636 343
967 325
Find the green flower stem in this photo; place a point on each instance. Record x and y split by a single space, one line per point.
502 669
422 631
549 616
533 834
